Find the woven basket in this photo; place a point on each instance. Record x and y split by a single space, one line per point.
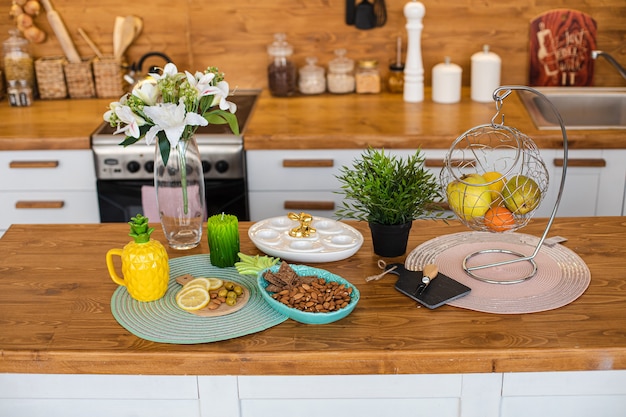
50 77
79 78
109 77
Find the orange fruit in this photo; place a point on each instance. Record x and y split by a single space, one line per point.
499 219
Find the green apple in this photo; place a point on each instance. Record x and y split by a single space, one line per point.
469 197
521 194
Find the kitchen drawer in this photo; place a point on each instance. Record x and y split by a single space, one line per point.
40 207
313 169
295 169
47 170
265 204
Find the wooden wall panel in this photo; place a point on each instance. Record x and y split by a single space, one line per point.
234 34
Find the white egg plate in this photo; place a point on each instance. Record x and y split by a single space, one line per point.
331 241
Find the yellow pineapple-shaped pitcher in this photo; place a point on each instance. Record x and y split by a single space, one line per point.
145 265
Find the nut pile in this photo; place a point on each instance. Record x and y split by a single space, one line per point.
307 293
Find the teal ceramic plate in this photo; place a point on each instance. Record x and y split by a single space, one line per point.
306 317
163 321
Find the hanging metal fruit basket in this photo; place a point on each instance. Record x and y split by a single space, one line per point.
494 180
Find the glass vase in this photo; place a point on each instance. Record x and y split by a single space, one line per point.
179 186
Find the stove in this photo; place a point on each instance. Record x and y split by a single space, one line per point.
123 173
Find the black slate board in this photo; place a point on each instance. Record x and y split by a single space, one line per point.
440 290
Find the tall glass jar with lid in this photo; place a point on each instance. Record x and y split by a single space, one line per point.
341 73
281 72
18 63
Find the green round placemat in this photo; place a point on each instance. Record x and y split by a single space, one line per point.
163 321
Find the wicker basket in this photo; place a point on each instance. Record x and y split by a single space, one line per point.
79 78
109 77
50 77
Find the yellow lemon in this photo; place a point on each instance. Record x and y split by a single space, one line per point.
199 282
496 183
193 299
215 283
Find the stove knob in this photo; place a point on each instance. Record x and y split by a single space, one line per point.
149 166
133 166
221 166
206 166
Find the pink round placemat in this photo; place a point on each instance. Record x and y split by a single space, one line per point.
562 276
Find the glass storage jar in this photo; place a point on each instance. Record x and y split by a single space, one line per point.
18 63
281 72
340 77
312 80
368 77
395 79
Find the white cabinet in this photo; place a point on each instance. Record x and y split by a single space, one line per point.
572 394
595 181
527 394
98 395
57 186
280 181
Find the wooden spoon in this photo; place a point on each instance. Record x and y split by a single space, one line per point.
128 35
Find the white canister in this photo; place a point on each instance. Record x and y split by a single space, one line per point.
485 75
447 82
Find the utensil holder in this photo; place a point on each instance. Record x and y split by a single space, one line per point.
109 77
50 77
79 78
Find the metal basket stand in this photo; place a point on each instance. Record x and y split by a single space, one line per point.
499 95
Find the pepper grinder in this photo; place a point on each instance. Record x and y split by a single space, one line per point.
414 68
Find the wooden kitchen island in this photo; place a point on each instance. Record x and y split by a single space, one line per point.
55 319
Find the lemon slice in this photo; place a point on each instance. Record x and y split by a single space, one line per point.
214 283
198 282
193 299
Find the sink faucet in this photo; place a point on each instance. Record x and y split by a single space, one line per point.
618 67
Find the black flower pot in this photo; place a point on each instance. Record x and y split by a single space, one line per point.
390 240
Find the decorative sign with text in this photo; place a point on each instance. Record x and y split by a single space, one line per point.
561 42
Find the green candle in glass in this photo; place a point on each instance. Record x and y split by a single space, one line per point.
223 238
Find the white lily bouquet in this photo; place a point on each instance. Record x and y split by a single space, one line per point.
169 107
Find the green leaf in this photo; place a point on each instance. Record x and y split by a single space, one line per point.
221 117
164 147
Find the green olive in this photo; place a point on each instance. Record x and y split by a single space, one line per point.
222 292
231 301
231 294
238 290
229 285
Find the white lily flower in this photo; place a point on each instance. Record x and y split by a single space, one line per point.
172 119
169 70
220 92
147 92
132 121
201 82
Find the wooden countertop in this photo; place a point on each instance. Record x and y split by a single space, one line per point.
55 315
327 121
50 124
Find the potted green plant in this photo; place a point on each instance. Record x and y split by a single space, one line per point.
388 192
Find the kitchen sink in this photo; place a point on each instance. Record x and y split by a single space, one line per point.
581 108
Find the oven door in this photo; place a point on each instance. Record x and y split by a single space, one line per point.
119 200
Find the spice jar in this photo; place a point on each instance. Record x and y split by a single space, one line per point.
340 73
281 71
311 80
368 77
395 79
18 63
